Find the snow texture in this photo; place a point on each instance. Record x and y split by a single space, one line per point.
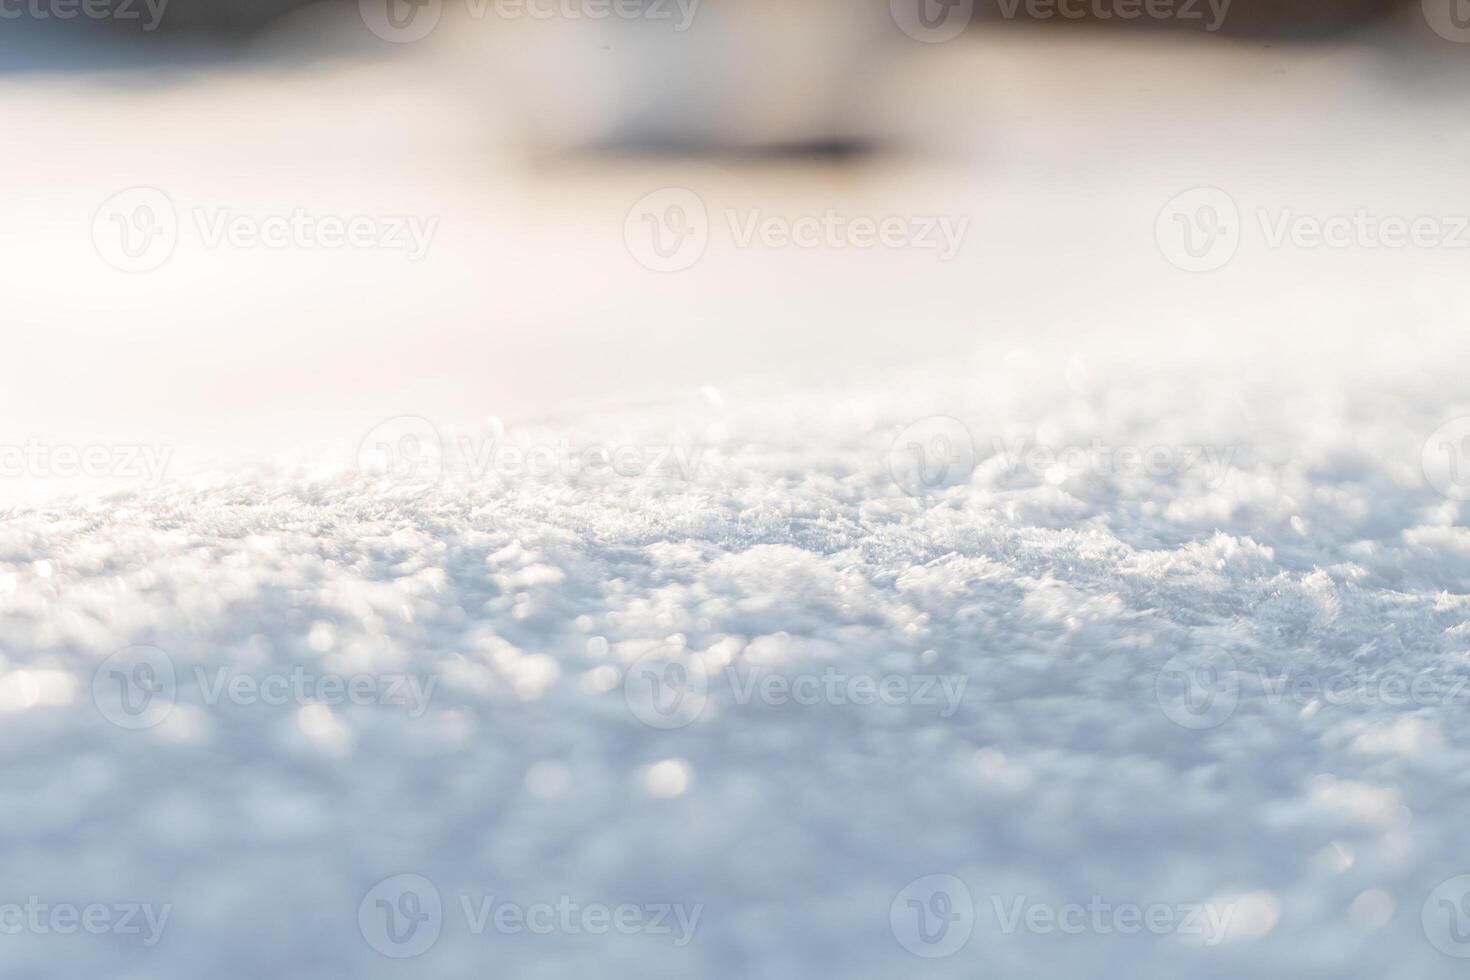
1178 692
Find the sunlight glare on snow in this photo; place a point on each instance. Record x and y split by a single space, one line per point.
667 779
1255 914
325 730
1372 909
25 688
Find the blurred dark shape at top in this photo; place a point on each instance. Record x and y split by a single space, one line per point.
226 19
1302 20
225 16
79 35
220 19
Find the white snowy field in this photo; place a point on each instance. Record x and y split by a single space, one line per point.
1040 741
524 611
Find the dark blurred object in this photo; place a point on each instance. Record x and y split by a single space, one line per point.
1289 18
1295 19
220 19
225 16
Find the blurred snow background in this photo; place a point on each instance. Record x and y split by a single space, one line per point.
796 382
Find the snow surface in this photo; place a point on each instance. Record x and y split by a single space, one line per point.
1073 605
1069 769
